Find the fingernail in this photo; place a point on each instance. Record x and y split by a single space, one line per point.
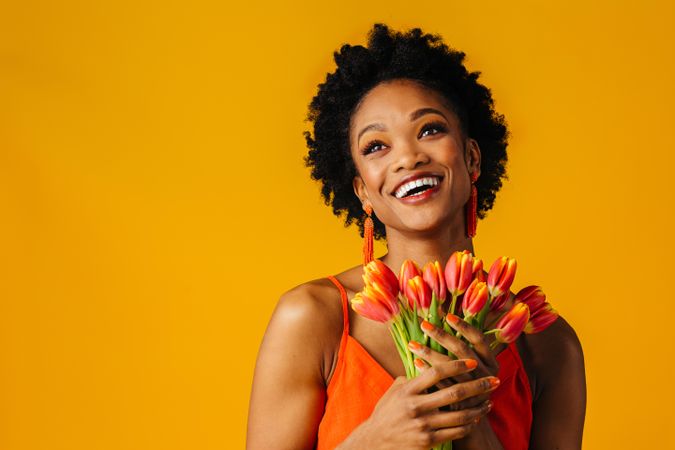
489 405
494 381
476 420
426 326
453 319
420 364
414 346
471 363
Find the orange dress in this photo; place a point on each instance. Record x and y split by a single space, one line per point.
359 381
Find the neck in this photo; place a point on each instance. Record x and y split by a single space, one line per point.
436 245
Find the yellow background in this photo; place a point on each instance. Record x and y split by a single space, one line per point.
154 203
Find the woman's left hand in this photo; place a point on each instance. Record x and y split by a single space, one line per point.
479 351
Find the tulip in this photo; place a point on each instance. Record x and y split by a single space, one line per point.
408 270
377 272
477 271
498 303
459 272
375 303
475 299
510 326
533 297
433 276
419 294
541 320
500 278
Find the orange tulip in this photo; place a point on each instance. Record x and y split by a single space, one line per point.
474 299
500 278
458 272
375 303
418 293
377 272
541 320
513 323
409 269
433 276
477 271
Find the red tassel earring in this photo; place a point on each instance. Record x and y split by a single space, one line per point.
471 208
368 230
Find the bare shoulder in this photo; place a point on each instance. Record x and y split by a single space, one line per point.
310 315
554 353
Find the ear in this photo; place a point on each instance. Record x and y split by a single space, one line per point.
472 155
360 189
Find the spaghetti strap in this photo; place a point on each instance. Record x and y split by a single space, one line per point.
345 306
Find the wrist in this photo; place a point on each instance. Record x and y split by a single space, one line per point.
358 439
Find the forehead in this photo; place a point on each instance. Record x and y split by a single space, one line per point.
394 100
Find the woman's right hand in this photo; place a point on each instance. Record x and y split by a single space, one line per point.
408 417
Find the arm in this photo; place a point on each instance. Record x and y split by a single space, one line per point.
288 393
559 404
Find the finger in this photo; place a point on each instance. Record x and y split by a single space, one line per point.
457 392
422 366
470 402
432 375
439 419
450 342
472 334
450 434
429 355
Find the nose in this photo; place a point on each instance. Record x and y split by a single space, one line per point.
410 156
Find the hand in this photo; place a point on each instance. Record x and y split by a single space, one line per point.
408 417
479 351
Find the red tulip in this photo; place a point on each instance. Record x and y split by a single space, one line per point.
377 272
497 304
375 303
477 271
513 323
433 276
541 320
408 270
458 272
474 299
500 278
418 293
533 297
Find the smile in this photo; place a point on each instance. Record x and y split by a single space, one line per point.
417 187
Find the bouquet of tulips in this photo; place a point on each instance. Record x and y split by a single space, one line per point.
432 292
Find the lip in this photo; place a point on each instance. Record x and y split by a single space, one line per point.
416 176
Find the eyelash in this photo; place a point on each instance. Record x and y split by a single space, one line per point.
437 125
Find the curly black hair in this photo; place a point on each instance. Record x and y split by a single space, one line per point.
389 55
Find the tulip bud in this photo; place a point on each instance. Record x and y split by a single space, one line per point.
533 297
418 293
433 276
409 269
459 272
375 303
497 304
474 299
513 323
500 278
377 272
477 271
541 320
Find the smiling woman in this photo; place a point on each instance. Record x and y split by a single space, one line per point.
404 136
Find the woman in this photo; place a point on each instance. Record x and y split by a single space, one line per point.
405 109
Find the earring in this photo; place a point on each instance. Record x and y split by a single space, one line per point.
471 208
368 230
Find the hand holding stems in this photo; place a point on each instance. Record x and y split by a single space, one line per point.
406 416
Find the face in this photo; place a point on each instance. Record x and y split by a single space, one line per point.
401 130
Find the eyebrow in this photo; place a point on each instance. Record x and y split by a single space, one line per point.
413 116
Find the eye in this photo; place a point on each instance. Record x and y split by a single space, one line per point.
372 146
434 127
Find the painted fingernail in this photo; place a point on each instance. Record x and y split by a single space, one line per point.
414 346
471 363
494 382
420 364
476 420
489 406
453 319
426 326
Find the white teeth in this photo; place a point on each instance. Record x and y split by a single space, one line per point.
403 190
